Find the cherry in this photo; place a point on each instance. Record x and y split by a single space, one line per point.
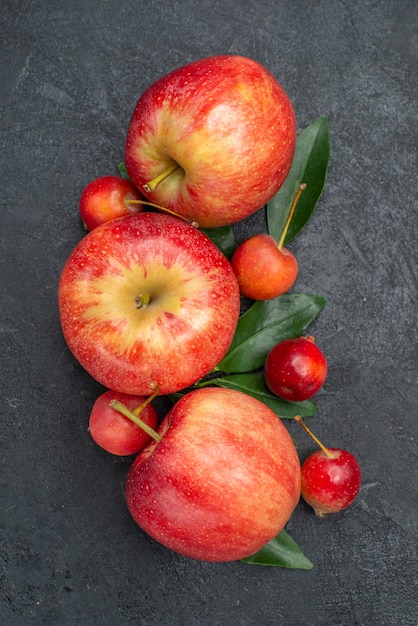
295 369
115 425
106 198
331 478
263 267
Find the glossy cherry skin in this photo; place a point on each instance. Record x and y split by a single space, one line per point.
263 270
107 198
295 369
330 485
116 433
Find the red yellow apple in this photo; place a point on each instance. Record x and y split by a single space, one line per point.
148 300
212 140
223 480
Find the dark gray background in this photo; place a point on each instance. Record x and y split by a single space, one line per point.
71 73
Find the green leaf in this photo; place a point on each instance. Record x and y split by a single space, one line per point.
223 238
310 165
282 551
123 172
254 385
265 324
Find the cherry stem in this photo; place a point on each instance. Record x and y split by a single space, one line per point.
153 184
165 210
133 415
146 402
325 450
302 187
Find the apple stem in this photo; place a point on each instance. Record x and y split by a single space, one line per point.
301 188
165 210
142 300
153 184
325 450
133 415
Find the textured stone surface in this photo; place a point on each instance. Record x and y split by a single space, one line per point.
70 76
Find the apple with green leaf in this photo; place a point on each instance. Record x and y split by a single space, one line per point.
148 300
212 140
221 479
